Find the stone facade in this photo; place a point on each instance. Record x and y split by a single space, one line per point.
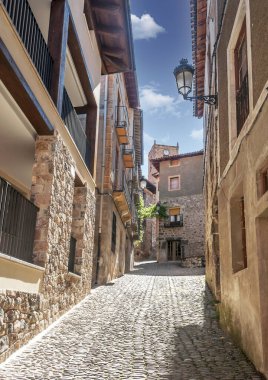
64 210
117 183
191 233
182 240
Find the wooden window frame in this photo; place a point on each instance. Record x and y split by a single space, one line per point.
169 182
241 84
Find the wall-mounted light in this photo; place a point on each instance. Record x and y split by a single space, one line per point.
143 183
184 78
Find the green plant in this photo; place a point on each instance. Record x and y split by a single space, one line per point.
156 210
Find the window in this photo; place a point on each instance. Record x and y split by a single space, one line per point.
241 78
174 163
174 214
238 234
174 183
114 233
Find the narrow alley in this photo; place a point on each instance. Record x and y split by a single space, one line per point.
157 322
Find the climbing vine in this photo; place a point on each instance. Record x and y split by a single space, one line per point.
156 210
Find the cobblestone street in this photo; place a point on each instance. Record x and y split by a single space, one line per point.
156 323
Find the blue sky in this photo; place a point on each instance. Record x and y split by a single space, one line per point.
162 36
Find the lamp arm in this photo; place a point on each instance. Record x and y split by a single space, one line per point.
209 99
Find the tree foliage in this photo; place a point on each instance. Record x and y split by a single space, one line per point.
156 210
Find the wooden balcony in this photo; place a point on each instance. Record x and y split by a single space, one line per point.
122 125
122 132
122 199
129 157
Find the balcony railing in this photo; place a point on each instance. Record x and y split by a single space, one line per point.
177 223
74 126
17 223
26 25
122 124
242 104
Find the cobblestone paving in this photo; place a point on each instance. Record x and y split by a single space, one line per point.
156 323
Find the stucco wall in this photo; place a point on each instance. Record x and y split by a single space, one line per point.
190 170
244 307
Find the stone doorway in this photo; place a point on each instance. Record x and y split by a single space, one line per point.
174 250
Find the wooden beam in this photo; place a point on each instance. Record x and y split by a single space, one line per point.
14 81
88 15
105 6
57 44
116 63
108 30
80 63
117 52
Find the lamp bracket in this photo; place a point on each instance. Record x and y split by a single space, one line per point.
208 99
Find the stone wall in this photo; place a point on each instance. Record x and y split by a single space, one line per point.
192 232
63 210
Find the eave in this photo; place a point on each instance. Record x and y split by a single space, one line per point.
156 161
132 89
112 25
198 26
138 136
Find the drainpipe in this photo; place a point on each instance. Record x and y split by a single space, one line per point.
102 173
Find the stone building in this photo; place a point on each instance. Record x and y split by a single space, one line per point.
233 63
180 179
148 246
120 157
151 196
52 55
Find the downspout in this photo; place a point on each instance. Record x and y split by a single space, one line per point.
102 174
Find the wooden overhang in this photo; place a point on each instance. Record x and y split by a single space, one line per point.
198 27
156 161
138 136
129 158
111 22
122 133
122 205
150 186
132 89
18 87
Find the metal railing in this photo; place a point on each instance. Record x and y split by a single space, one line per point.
177 223
71 262
121 118
27 27
73 124
17 223
242 104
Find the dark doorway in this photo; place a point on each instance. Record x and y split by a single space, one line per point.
174 250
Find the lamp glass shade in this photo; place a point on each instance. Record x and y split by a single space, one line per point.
143 183
184 77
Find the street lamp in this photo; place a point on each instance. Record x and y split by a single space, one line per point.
184 79
143 183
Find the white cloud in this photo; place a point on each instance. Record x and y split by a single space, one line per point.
145 27
197 134
155 102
